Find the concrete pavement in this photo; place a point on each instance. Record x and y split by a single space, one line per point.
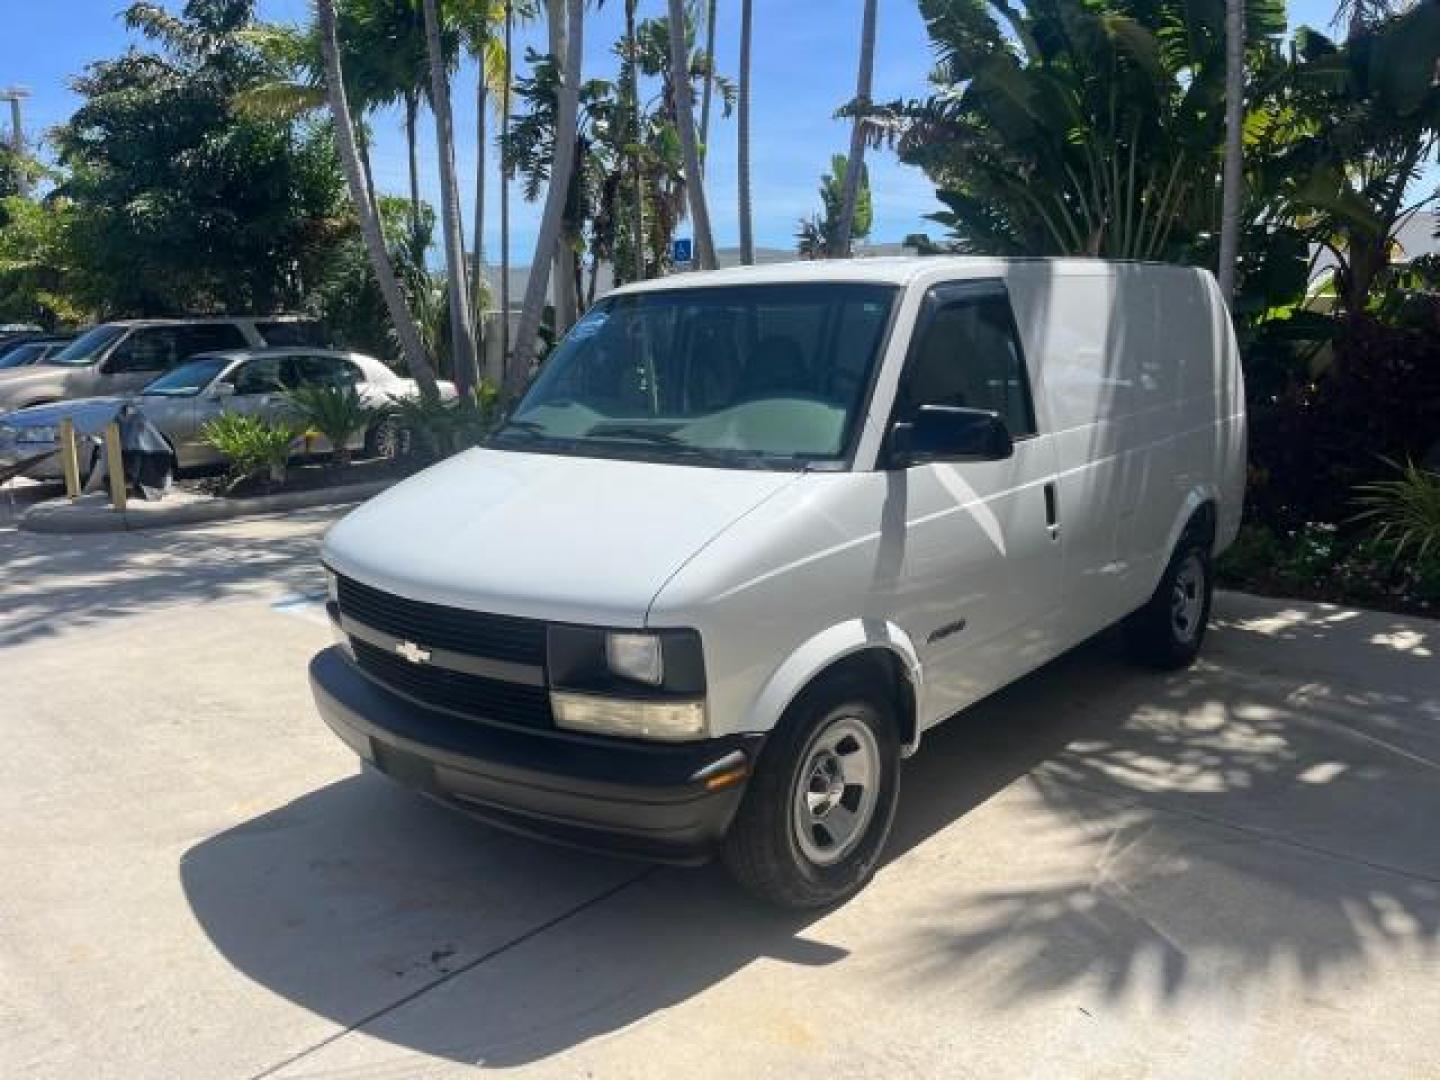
1228 872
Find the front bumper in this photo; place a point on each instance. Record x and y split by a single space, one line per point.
644 800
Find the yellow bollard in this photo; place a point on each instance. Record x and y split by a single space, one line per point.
115 466
69 458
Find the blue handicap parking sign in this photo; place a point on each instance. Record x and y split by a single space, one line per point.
683 250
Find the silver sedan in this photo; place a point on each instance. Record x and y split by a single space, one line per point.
183 400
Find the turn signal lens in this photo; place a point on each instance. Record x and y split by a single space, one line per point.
667 721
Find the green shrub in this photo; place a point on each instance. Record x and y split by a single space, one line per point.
438 428
337 412
250 444
1404 512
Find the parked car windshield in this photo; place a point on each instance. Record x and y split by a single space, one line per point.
188 379
759 376
21 355
86 349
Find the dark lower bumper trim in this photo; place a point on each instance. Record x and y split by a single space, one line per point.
638 799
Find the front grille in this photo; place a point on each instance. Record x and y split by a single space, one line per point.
477 633
487 699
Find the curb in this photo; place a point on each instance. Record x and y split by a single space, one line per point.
60 516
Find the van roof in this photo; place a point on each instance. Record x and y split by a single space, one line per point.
886 270
210 319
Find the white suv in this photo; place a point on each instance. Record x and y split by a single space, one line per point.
749 534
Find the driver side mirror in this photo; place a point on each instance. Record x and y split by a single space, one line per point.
223 390
949 433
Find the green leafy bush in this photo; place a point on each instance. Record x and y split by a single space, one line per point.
250 444
437 428
337 412
1404 512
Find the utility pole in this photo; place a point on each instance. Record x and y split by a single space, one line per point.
15 95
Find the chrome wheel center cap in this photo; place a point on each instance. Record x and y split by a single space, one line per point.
827 784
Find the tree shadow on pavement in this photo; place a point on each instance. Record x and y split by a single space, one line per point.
1209 826
53 583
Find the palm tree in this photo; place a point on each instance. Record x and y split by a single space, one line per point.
747 233
856 158
681 88
562 273
462 346
709 82
1234 145
411 347
505 199
528 329
632 124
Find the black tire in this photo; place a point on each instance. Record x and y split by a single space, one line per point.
764 850
1168 631
385 439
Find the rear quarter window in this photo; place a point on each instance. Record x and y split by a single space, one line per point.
292 332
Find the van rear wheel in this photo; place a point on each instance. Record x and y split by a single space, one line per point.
820 804
1167 632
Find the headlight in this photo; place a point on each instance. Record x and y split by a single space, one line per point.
635 656
45 434
670 721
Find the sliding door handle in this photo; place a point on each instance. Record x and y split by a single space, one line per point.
1052 518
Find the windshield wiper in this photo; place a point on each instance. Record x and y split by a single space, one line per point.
638 433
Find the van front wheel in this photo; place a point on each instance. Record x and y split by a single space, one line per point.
1167 632
819 807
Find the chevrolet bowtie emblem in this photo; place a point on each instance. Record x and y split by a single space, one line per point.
416 654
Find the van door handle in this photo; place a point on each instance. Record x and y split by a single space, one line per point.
1052 520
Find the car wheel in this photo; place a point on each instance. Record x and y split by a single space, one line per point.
1167 632
819 807
386 440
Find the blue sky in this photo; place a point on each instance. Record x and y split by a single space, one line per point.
804 57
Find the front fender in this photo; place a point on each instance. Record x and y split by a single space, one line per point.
802 666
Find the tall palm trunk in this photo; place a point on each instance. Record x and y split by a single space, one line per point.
855 162
411 347
747 231
417 227
683 94
709 82
505 201
562 273
632 114
527 331
1234 146
462 339
477 245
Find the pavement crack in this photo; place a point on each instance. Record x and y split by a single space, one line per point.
463 969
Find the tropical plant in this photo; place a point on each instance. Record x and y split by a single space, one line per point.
572 12
683 106
462 336
251 445
845 225
1404 511
434 427
336 412
1074 128
412 350
742 185
819 236
179 201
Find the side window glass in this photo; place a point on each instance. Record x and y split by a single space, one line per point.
325 371
210 337
292 332
259 377
144 350
969 357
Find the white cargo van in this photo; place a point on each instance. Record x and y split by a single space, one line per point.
749 534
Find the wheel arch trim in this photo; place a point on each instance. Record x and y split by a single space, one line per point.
824 651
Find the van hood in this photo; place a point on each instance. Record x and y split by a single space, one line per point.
569 539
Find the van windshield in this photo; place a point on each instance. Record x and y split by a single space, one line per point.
86 349
756 376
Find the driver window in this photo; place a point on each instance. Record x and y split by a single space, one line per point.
969 357
144 350
260 376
